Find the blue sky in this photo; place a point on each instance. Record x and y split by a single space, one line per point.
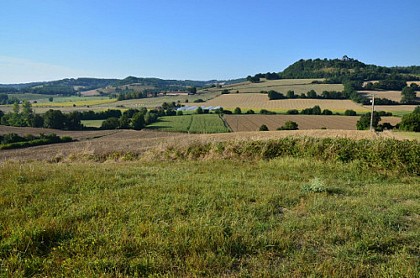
198 39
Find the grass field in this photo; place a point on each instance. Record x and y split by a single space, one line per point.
92 123
157 101
205 123
285 217
253 122
37 97
74 101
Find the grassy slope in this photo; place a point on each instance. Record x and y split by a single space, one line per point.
205 123
209 217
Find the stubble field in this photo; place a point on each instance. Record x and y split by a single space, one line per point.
258 101
305 122
299 86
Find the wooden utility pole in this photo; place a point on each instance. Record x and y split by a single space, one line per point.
371 114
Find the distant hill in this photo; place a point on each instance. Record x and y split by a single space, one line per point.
73 86
341 70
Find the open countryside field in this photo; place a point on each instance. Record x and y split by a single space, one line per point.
204 123
305 122
283 85
117 144
276 217
92 123
258 101
157 101
392 95
31 97
75 102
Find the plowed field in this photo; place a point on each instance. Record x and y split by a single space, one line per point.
305 122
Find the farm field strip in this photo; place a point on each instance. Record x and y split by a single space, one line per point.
76 102
392 95
258 101
102 143
253 122
204 123
299 86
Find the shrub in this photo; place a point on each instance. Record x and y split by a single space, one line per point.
410 122
250 111
289 125
137 122
327 112
364 121
292 111
199 110
266 112
198 100
350 113
179 113
237 111
110 123
273 95
263 128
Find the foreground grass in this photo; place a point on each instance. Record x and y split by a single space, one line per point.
283 217
203 123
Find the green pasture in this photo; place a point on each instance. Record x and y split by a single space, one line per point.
92 123
203 123
286 217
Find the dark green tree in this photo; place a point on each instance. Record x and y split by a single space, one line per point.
73 121
124 122
411 122
237 111
289 125
199 110
290 94
263 128
273 95
137 122
408 95
350 113
311 94
54 119
192 90
110 123
364 121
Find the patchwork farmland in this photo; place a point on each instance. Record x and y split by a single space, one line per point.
299 86
305 122
258 101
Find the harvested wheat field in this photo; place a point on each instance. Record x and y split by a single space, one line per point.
305 122
257 101
299 86
103 145
393 108
392 95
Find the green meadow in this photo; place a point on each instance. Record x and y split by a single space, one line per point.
214 217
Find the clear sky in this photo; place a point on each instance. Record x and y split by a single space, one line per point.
198 39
